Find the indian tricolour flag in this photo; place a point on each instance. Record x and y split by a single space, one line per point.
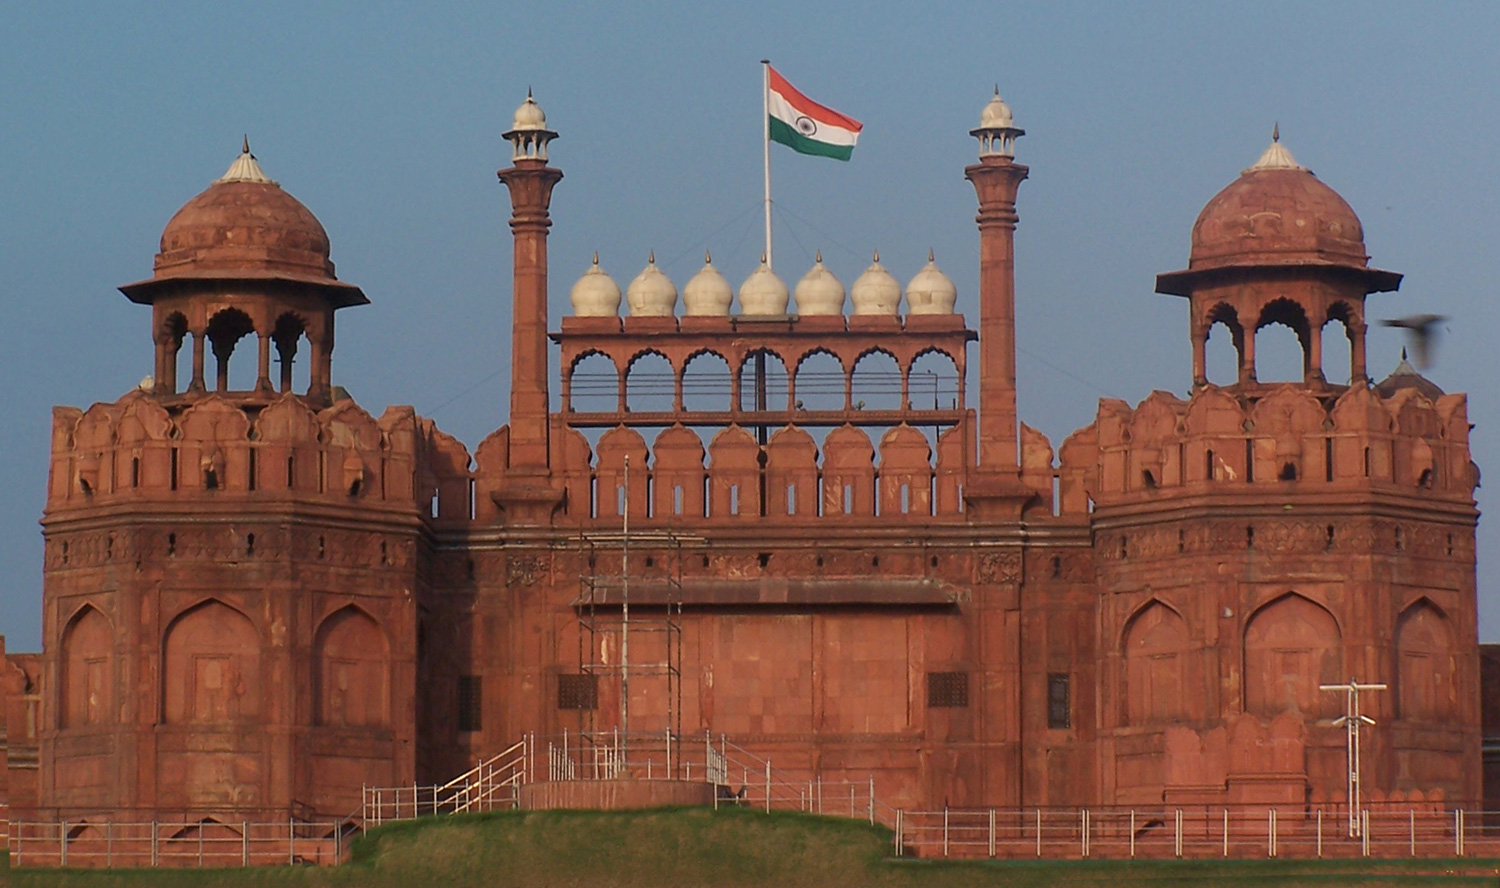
806 126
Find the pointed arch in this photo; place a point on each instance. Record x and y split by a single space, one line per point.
352 658
210 666
1154 645
88 692
1291 646
1424 663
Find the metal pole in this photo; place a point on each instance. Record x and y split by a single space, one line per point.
1411 825
625 602
1458 832
872 799
1271 833
200 846
291 842
245 843
768 788
62 837
1364 832
109 843
1320 832
765 122
945 830
1132 832
154 835
1226 832
1179 832
992 833
1038 832
899 844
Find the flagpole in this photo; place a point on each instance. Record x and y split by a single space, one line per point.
765 122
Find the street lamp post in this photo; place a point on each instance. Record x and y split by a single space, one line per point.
1352 720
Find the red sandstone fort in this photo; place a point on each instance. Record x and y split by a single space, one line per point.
261 599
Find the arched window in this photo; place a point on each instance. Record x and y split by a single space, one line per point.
1291 647
594 385
763 380
705 383
352 662
650 384
1224 341
1424 664
1155 658
87 670
876 382
210 667
225 330
820 382
1281 343
288 335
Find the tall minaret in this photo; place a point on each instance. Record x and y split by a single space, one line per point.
996 178
530 181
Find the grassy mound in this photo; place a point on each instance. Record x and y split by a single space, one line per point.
689 848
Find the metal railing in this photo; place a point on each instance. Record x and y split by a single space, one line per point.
492 784
1192 832
205 843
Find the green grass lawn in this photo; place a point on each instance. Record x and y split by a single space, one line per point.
736 847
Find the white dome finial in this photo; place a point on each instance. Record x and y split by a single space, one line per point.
245 167
1276 157
997 131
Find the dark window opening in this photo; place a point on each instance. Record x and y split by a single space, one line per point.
1208 466
765 560
171 544
1056 567
1327 459
250 473
1328 541
1249 461
250 544
1181 541
947 690
1450 544
1124 546
1250 536
322 548
578 691
135 471
291 472
210 479
1288 472
173 480
1367 462
1426 479
1400 540
1059 700
470 702
1148 479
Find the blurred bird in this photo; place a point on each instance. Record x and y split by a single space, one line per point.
1422 332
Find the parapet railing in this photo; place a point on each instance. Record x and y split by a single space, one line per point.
1200 832
192 844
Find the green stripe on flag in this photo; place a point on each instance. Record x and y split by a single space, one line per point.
786 135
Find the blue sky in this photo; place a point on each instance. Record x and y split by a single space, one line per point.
385 119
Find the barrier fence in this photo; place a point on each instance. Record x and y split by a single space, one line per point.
1193 832
206 843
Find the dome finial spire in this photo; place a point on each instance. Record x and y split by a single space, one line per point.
245 145
245 167
1276 131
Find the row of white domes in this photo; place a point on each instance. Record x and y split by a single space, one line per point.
708 294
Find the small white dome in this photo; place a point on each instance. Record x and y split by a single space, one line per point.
819 292
596 295
876 292
529 116
931 292
763 293
996 114
651 294
707 294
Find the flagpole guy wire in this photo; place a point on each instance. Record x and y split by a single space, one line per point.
765 124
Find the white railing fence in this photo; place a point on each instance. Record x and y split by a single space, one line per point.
490 785
1192 832
205 843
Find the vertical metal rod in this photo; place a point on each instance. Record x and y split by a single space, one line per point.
154 835
1038 832
768 787
109 843
872 799
670 775
625 604
1132 832
992 833
945 830
900 844
1226 832
245 843
1320 832
1411 823
1458 832
1271 833
851 800
1179 832
1364 832
200 846
765 122
62 836
291 841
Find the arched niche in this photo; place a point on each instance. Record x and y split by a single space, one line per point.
1155 648
820 382
210 667
1291 646
225 330
593 384
933 382
650 384
1424 663
353 664
1282 343
876 382
87 670
1221 348
706 382
288 336
763 381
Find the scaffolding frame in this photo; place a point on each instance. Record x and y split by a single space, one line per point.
612 565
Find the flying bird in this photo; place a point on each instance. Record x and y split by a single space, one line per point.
1422 331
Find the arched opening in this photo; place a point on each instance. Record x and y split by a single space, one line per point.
820 382
594 385
1281 343
650 384
225 330
1155 659
351 657
210 667
763 382
1338 351
287 336
1424 664
87 670
875 383
706 383
933 382
1291 647
178 361
1223 343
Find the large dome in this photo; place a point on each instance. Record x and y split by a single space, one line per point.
244 225
1277 213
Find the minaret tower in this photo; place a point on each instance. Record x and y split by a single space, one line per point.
997 177
528 495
